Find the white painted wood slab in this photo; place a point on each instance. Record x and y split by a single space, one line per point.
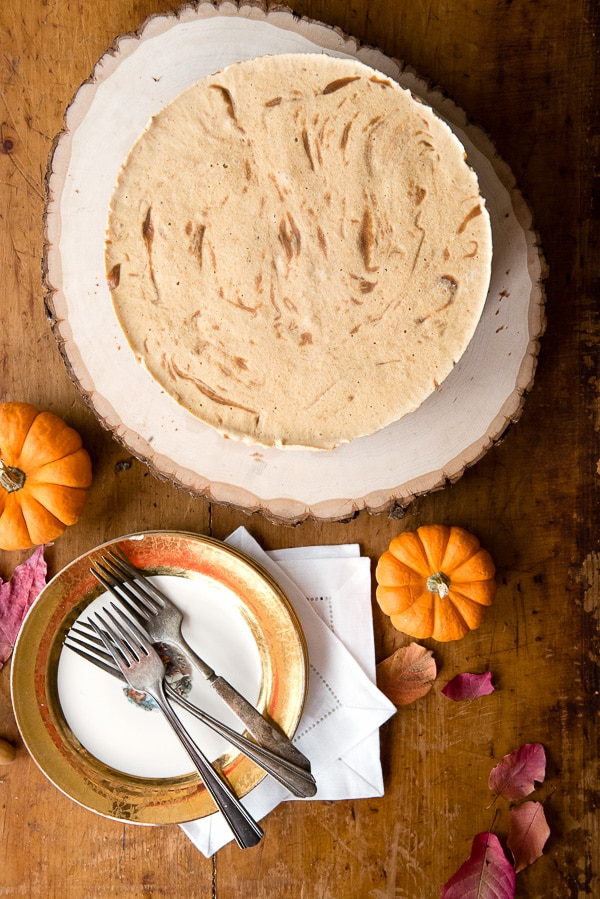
137 76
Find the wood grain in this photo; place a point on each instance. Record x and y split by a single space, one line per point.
527 73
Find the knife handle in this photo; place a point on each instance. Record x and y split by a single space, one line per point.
261 729
297 780
257 725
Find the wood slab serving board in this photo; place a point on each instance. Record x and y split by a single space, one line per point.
484 394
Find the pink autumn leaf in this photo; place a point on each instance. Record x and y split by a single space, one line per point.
515 776
465 687
16 597
527 833
407 674
487 873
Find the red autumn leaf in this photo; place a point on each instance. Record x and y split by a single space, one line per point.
468 686
16 596
407 674
527 833
515 776
487 873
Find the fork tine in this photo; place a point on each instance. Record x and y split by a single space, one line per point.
122 592
123 653
143 642
127 571
90 641
138 608
97 657
132 581
87 633
108 643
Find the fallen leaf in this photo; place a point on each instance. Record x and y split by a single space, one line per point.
407 674
16 597
468 686
487 873
514 777
527 833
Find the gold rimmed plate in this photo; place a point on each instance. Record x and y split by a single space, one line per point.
109 752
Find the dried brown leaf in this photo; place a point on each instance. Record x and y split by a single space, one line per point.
407 674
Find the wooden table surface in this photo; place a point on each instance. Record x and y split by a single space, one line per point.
526 72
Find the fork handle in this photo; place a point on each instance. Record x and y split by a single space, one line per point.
245 829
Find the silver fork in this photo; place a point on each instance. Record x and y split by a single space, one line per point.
143 669
298 781
161 620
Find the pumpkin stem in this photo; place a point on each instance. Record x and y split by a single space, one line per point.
439 583
11 478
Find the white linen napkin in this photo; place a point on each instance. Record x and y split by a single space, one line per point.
330 590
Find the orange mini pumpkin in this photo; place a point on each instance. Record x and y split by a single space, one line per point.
45 474
435 582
